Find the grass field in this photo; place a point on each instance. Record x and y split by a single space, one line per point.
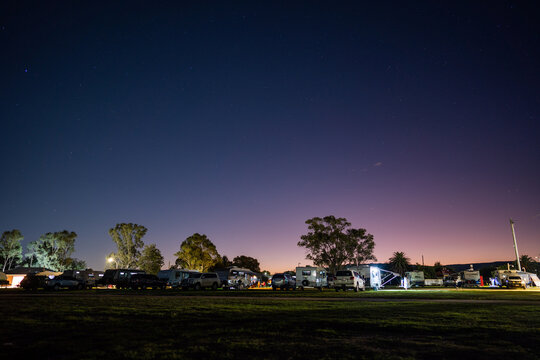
176 325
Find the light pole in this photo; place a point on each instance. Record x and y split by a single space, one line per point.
515 245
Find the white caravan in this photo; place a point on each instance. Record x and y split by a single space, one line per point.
174 277
415 278
311 277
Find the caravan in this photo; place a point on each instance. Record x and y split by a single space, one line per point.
236 278
470 278
174 277
311 277
415 278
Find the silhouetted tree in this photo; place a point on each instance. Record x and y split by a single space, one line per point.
151 259
526 262
331 243
247 262
399 263
75 264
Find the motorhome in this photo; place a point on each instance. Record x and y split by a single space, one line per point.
174 277
311 277
415 278
236 278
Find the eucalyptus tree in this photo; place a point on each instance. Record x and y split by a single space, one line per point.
53 250
128 239
10 248
247 262
197 252
331 243
151 259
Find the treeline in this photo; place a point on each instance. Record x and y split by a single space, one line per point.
52 250
330 242
196 252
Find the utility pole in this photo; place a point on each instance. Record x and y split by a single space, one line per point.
515 245
422 259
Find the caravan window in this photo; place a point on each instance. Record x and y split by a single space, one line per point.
344 273
306 272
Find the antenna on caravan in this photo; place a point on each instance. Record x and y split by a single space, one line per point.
515 244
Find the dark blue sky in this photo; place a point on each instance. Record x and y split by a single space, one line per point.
418 121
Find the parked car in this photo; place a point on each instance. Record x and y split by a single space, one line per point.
89 277
144 281
349 279
515 281
200 281
64 281
34 282
283 281
174 277
118 277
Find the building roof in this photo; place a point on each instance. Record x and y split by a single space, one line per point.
26 270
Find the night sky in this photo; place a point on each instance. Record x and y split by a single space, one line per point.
417 121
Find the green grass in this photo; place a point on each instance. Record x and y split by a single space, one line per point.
173 325
418 293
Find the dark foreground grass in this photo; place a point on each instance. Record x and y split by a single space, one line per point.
90 325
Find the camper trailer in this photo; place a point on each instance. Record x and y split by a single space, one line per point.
236 278
415 278
174 277
470 278
311 277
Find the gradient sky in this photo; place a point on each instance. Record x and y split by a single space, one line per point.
417 121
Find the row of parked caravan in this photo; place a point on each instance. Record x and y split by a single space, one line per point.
227 278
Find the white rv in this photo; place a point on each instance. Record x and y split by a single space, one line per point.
311 277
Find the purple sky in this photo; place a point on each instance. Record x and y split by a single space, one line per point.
418 122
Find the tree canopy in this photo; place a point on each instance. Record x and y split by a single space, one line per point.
151 259
197 252
128 239
331 243
399 263
247 262
10 248
53 250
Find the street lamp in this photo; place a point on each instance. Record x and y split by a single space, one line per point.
111 259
